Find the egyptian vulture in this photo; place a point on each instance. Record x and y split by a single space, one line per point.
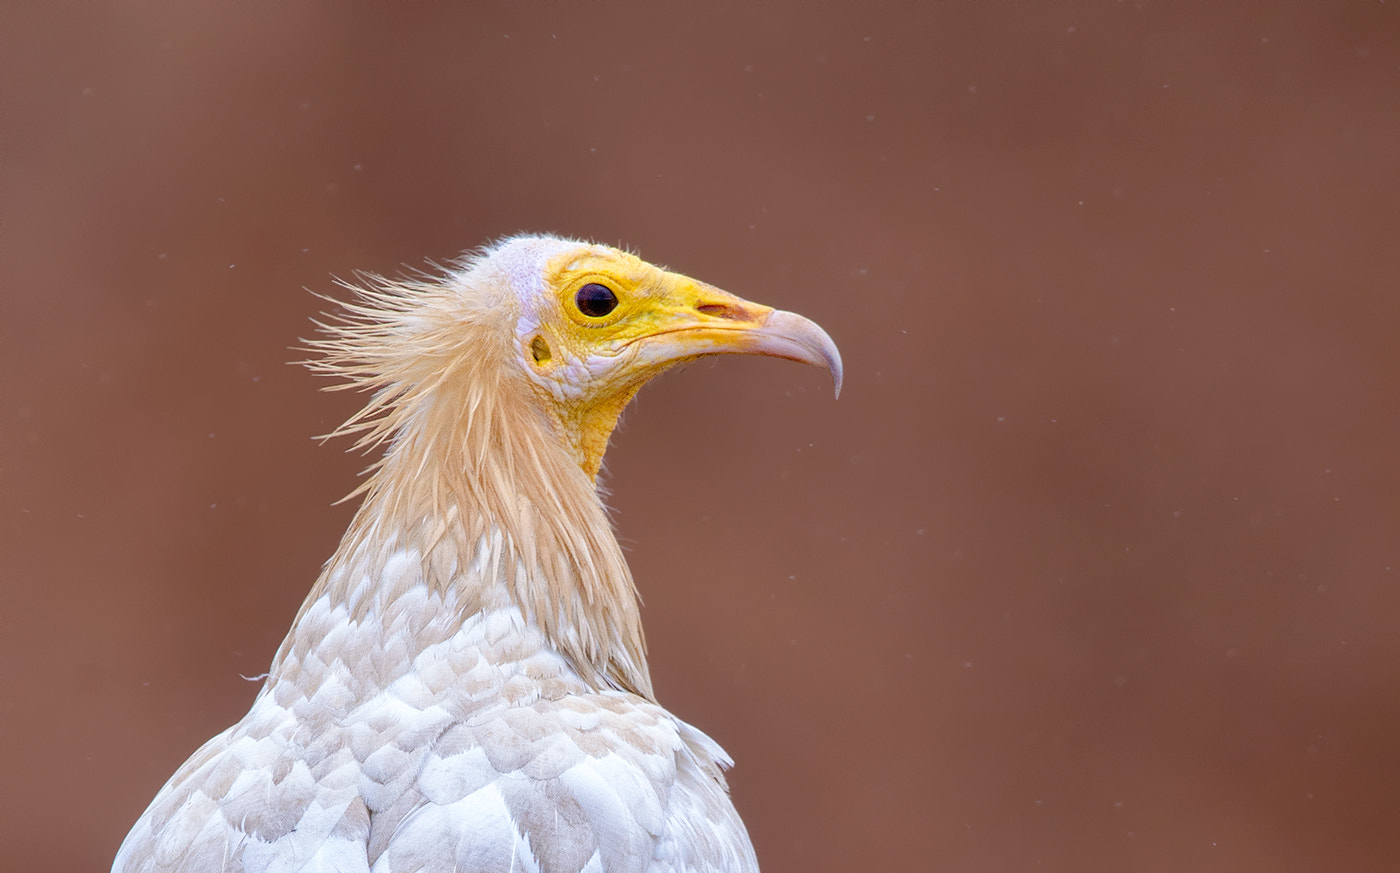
466 687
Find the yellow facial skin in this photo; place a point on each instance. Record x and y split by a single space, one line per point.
592 365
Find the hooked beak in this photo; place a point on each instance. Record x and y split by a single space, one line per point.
708 321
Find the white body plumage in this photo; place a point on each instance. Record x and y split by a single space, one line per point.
409 741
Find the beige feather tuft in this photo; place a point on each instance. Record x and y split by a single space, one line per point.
468 449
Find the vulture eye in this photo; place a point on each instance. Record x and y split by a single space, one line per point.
595 301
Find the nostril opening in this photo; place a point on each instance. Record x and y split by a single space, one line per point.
720 310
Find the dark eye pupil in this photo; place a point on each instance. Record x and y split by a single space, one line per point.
596 300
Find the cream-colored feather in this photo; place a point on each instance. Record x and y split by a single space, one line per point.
471 452
465 687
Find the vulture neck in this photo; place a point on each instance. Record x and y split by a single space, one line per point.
480 508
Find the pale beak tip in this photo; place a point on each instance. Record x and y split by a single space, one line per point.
789 335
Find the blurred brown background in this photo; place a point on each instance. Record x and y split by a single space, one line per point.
1093 567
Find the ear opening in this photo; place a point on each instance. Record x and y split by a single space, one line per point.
539 350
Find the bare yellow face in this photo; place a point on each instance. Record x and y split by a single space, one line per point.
602 322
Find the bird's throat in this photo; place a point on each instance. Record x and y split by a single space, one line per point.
588 427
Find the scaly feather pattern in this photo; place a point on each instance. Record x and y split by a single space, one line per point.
465 688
